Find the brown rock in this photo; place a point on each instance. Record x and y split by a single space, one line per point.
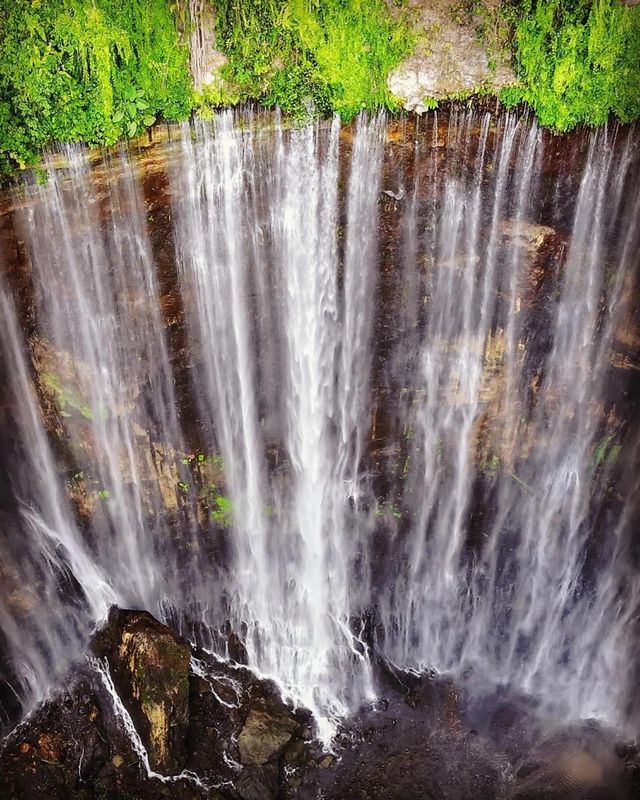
151 671
48 747
264 736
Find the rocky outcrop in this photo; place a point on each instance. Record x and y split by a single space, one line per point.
151 670
233 737
459 51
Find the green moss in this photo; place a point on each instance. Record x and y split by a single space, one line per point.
606 452
579 61
334 55
97 70
491 465
387 508
86 70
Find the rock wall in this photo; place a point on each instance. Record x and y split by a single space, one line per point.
461 49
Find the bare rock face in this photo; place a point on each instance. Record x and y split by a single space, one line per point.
265 735
456 52
205 60
151 670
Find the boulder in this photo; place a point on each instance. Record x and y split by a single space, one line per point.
150 667
258 783
265 734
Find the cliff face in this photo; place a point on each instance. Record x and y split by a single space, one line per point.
461 49
183 485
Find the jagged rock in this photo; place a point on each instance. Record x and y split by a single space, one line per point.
151 670
265 735
237 650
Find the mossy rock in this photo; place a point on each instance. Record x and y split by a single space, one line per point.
150 667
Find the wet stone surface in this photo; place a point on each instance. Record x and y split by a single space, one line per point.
233 738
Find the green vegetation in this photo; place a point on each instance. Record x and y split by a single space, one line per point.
64 398
606 452
387 508
222 513
97 70
332 55
491 465
211 460
86 70
579 61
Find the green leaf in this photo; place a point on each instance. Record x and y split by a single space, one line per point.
148 121
131 130
142 104
118 116
601 450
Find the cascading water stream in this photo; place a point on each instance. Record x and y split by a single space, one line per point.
405 355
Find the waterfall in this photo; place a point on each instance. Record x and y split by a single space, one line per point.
379 402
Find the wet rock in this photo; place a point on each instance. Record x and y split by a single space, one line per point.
528 235
237 650
258 782
580 762
265 735
151 670
59 752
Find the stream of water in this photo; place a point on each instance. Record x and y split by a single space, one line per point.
411 385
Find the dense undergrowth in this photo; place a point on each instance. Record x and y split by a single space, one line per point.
579 60
86 70
97 70
334 55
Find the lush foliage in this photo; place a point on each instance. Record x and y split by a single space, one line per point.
96 70
334 55
579 60
88 70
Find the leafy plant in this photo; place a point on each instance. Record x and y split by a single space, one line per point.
222 514
332 55
129 114
86 70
